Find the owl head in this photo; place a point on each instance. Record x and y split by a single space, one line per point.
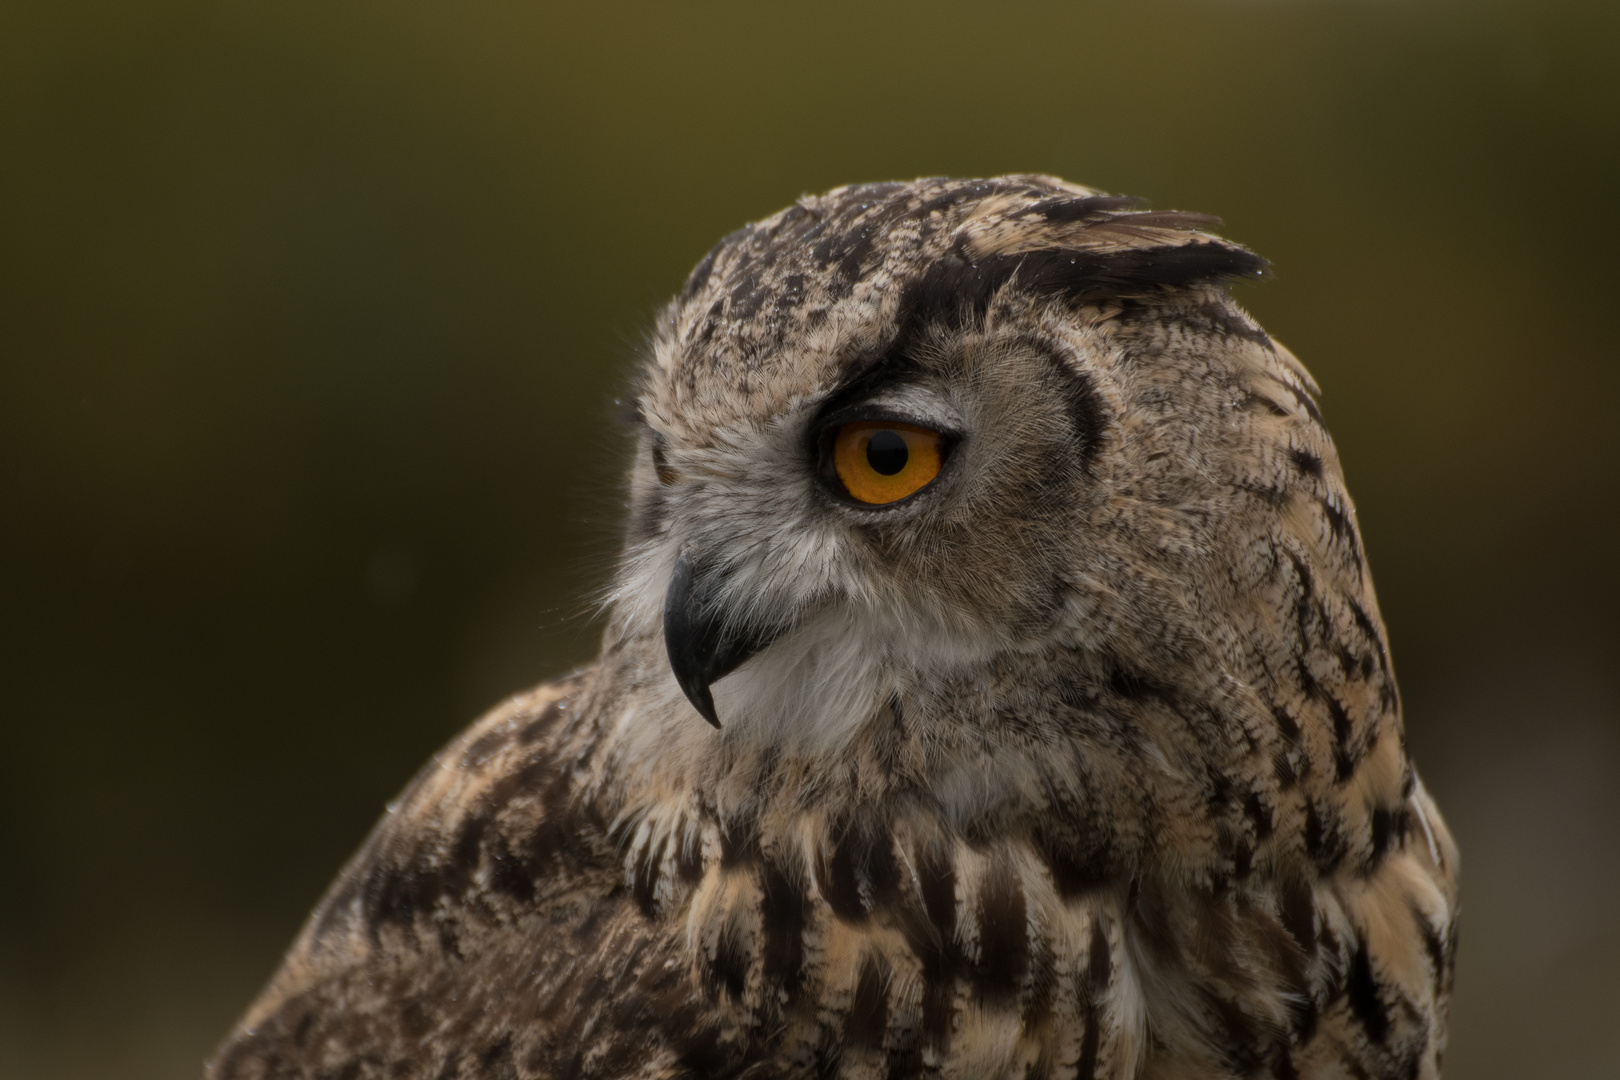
898 431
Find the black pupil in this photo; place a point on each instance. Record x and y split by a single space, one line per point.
887 452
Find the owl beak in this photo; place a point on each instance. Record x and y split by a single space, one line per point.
704 644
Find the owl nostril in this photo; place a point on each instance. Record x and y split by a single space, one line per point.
660 459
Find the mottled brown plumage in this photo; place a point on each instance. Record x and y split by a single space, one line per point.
1084 761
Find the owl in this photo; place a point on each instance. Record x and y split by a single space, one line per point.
992 687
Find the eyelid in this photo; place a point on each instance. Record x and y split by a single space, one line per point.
949 426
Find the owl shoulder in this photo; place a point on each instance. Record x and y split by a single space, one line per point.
484 920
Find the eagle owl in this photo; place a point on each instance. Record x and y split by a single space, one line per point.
992 687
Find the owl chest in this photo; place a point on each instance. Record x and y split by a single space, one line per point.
918 959
973 964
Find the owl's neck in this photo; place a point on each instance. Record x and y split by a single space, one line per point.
833 736
1073 749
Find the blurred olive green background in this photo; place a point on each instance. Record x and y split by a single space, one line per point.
312 314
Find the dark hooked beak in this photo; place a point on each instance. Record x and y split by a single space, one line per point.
704 643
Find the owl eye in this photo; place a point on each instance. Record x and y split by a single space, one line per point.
882 461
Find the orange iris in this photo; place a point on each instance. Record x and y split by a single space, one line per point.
880 461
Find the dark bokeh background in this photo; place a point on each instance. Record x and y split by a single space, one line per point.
312 314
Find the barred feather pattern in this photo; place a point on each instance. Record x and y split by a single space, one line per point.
1113 781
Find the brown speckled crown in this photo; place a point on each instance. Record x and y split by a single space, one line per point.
855 253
